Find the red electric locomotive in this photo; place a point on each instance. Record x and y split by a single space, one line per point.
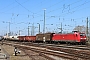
76 37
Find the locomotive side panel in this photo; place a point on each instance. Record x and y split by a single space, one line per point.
71 38
65 37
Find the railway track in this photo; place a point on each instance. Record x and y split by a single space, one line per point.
80 51
68 52
35 56
78 47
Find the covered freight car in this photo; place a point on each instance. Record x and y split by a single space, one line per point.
47 37
39 37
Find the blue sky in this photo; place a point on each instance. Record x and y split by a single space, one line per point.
22 12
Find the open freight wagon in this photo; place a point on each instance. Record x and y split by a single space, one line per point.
27 38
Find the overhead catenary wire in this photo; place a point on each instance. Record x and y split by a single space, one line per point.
68 9
40 15
63 7
7 6
23 6
51 6
76 7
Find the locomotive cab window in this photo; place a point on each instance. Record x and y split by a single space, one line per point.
82 34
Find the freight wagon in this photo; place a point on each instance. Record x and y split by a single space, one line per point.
27 38
39 37
12 38
1 38
47 37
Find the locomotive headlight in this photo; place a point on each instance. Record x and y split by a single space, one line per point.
81 38
84 38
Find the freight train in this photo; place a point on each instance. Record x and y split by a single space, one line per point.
74 37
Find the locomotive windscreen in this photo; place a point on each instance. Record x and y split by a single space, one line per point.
82 34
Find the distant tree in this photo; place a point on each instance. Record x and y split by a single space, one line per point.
80 28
